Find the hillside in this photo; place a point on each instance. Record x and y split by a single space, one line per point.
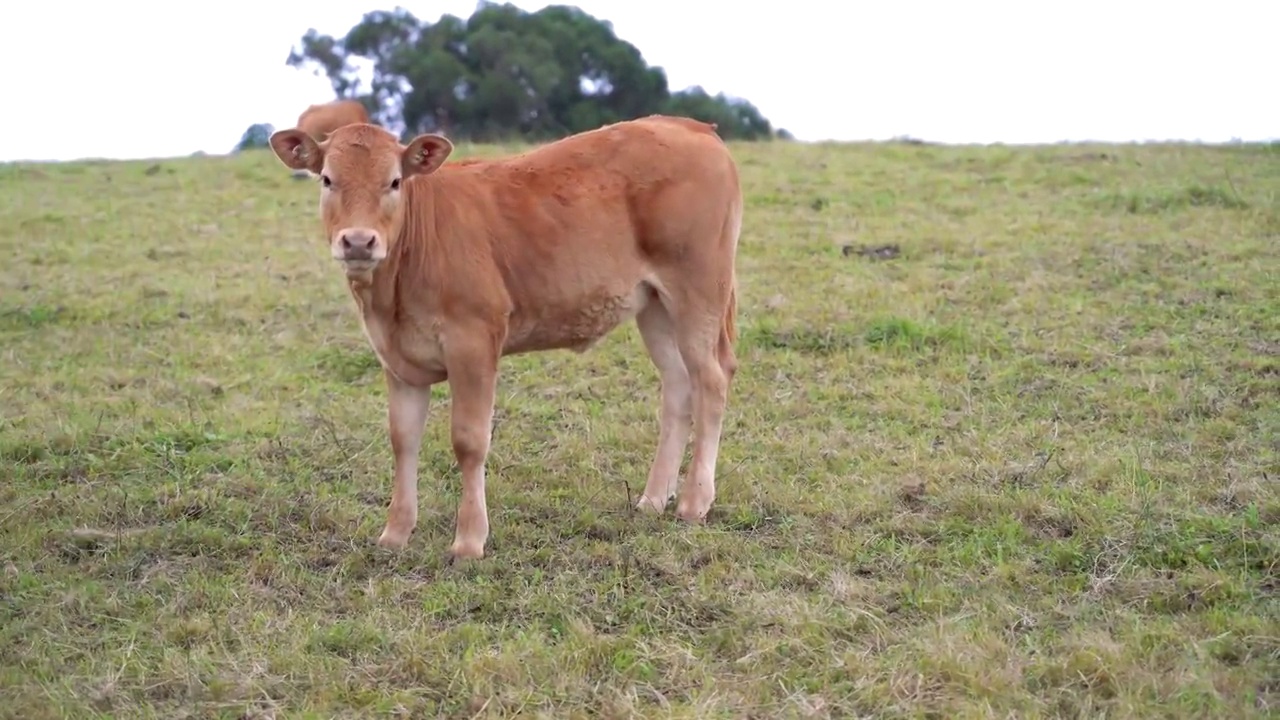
1004 441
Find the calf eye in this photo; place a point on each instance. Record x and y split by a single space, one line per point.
324 180
395 184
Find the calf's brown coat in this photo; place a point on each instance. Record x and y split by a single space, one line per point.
454 266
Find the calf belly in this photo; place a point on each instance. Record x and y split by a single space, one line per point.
580 322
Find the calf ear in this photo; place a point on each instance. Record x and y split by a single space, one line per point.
297 150
425 154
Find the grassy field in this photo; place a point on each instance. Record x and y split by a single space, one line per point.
1004 442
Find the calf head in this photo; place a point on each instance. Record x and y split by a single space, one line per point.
362 169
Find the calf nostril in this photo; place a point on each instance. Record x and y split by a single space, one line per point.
346 243
368 243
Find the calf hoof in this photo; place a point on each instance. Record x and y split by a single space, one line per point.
692 512
651 505
394 539
466 550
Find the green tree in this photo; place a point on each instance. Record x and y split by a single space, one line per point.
257 135
734 117
505 72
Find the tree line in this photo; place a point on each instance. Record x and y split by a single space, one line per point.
506 73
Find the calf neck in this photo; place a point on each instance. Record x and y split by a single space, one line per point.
453 267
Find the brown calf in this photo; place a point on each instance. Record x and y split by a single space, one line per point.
454 266
319 121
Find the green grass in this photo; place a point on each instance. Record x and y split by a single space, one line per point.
1024 465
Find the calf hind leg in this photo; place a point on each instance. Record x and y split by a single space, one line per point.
676 415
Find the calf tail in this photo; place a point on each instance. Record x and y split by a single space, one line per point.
730 315
729 333
728 324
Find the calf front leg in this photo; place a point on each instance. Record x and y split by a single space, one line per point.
473 379
710 381
676 414
407 408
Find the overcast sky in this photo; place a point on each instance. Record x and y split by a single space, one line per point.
125 80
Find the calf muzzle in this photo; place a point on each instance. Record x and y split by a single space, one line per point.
361 245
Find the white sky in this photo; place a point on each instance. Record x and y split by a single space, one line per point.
131 79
